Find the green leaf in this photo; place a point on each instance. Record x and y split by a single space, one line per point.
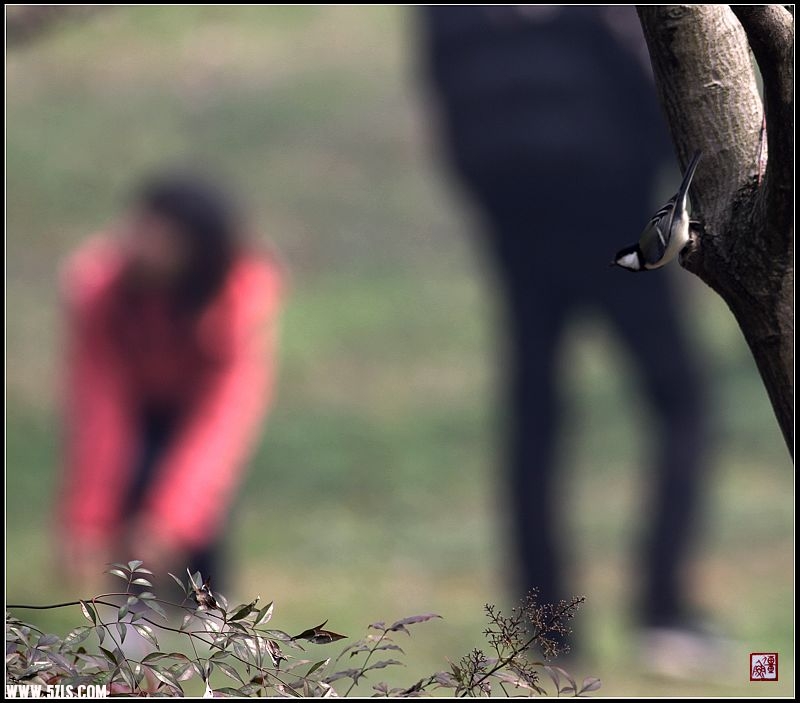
88 612
118 572
100 631
35 668
22 633
156 608
179 656
229 671
128 677
125 609
147 595
179 582
182 671
264 615
108 654
135 564
317 666
153 656
167 678
210 624
78 635
141 582
103 678
147 632
122 630
241 651
242 612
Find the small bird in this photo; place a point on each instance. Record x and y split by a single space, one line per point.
203 595
666 233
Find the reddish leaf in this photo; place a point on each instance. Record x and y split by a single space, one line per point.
590 683
317 635
384 664
400 625
275 653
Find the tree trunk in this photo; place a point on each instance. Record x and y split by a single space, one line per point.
745 247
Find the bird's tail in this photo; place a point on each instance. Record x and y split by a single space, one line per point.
680 199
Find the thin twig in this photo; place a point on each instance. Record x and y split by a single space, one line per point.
366 661
505 661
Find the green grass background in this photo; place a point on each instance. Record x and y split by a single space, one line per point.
376 493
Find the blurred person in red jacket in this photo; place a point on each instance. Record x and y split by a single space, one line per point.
170 368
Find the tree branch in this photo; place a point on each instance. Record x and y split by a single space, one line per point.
770 31
707 87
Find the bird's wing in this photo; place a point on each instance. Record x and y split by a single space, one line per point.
655 238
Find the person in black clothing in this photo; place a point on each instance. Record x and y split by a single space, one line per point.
552 125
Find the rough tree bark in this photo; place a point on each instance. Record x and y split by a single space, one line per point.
745 248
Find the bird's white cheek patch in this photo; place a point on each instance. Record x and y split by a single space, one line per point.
630 261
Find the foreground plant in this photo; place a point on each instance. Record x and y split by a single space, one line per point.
233 652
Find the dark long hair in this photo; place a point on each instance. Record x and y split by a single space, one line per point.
208 221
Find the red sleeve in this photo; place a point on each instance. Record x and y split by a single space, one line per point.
204 466
98 429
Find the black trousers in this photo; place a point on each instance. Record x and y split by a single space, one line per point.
552 232
156 433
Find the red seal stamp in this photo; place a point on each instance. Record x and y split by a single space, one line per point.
764 666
